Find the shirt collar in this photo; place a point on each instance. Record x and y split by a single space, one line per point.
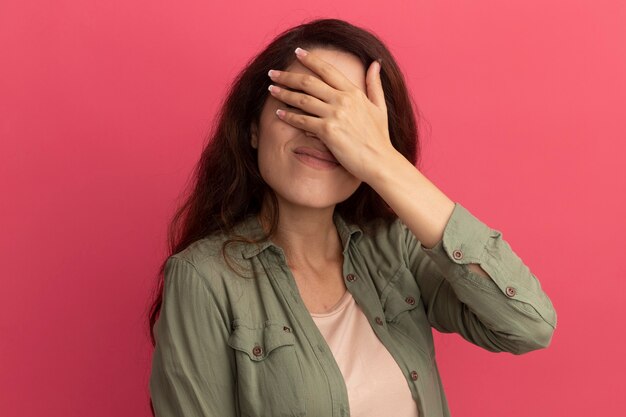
251 227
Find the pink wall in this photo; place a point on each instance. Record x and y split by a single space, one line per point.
103 111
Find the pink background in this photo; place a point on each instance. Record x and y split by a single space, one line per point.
104 108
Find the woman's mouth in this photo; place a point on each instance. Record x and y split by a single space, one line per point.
316 158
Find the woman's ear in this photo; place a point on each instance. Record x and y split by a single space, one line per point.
254 137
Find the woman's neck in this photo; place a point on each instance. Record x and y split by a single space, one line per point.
308 236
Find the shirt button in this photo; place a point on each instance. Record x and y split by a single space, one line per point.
351 277
379 320
414 375
410 300
510 291
457 254
257 351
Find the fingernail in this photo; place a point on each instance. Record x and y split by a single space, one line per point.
301 52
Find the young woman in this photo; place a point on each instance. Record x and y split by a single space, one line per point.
312 258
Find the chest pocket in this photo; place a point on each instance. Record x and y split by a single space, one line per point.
404 311
269 377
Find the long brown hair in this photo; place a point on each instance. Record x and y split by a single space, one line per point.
226 183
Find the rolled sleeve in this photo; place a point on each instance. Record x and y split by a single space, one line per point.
507 311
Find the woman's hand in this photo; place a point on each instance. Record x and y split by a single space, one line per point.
351 124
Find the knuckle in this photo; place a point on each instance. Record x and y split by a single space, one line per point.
324 70
298 119
306 81
344 101
329 128
302 101
340 114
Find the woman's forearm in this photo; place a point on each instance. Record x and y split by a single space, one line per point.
419 203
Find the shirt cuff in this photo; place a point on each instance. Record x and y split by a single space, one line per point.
467 240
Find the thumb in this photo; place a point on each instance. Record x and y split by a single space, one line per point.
374 86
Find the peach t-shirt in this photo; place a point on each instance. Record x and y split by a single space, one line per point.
376 385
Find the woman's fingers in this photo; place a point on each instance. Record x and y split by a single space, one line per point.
352 123
306 83
304 102
328 73
375 91
312 124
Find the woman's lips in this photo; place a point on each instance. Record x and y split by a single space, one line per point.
315 158
325 156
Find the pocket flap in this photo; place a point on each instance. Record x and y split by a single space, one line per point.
259 342
396 304
401 294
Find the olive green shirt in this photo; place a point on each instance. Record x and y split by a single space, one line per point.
231 346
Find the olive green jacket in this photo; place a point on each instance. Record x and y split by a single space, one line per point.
231 346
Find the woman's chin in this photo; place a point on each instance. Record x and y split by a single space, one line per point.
320 200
